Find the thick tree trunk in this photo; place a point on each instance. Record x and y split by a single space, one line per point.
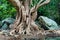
24 23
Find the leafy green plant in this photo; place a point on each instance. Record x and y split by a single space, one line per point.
6 9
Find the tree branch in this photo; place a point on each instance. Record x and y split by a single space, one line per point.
31 2
34 8
16 3
26 4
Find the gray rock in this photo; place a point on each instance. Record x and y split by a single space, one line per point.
59 25
6 22
5 27
48 23
9 20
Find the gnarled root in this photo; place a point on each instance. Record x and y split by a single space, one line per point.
22 29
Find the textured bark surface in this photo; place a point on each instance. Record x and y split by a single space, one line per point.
22 37
26 16
40 36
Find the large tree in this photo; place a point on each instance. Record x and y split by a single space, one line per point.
24 23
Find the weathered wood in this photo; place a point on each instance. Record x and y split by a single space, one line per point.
21 37
52 33
37 36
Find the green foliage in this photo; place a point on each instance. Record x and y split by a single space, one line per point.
6 9
51 9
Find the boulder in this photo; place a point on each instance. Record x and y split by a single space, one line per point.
5 27
9 20
48 23
6 22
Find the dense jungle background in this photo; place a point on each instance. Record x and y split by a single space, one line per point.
51 11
